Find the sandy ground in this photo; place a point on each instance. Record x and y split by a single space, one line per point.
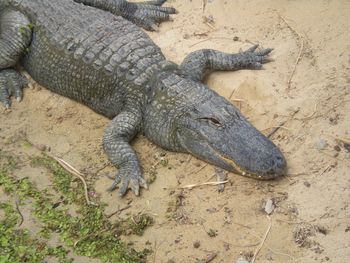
311 219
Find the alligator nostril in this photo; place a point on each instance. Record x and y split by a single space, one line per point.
279 163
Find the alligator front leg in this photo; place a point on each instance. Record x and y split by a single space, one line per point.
15 37
198 63
145 14
116 144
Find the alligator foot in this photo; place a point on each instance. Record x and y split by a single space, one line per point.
144 14
149 14
128 177
11 84
254 59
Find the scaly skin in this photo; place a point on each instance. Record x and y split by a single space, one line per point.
102 60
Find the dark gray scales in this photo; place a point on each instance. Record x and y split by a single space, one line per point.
106 61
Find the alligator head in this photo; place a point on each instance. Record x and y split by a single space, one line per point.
192 118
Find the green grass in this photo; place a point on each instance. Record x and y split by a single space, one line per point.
89 234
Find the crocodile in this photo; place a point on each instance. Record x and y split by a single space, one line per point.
97 53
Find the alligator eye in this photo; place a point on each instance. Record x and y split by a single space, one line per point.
212 120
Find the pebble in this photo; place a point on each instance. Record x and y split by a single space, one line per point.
242 260
337 148
41 147
307 184
196 244
321 144
269 206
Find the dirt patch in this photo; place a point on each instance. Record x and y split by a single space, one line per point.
312 102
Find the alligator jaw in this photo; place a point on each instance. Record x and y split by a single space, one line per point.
238 170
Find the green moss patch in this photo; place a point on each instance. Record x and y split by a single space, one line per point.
90 233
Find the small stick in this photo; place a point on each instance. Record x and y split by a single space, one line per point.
210 38
211 177
209 25
301 43
101 168
190 186
323 114
209 258
75 172
281 253
155 251
204 5
281 124
341 139
238 100
118 211
325 170
200 169
311 115
262 241
275 127
19 212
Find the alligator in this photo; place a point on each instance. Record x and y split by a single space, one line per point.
96 53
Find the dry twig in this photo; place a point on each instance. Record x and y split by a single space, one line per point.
118 211
340 139
281 253
190 186
282 124
208 39
262 241
75 172
20 214
301 44
310 116
253 233
325 170
209 258
204 5
198 170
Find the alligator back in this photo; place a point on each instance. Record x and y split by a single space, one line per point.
87 54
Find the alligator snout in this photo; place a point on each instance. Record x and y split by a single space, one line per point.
278 167
217 132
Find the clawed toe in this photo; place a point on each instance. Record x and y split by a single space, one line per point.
11 84
151 13
258 57
126 181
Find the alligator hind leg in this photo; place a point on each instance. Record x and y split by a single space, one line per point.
116 144
15 37
198 63
144 14
11 84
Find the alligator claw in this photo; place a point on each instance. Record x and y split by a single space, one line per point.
149 14
257 58
127 179
252 49
11 84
